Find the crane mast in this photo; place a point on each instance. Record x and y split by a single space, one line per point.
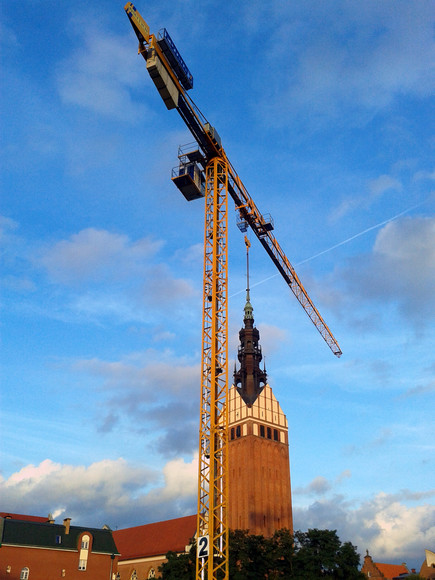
204 171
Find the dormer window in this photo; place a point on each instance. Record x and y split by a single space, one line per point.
84 552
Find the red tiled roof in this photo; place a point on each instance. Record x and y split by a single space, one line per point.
23 517
155 539
391 570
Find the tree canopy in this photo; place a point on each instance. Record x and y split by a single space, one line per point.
305 556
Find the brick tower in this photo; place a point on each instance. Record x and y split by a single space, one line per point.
258 449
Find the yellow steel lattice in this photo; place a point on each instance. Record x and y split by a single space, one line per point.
213 455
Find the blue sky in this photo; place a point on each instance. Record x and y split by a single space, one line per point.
325 109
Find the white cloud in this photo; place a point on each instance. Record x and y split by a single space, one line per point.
340 57
100 74
154 393
7 225
181 480
374 190
423 175
320 485
382 184
385 524
108 491
85 493
161 370
110 274
121 495
400 270
94 254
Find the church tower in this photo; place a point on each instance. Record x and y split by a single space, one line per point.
258 448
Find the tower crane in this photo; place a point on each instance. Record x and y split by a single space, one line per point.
205 171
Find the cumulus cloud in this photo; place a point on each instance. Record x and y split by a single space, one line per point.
391 529
108 491
122 495
320 485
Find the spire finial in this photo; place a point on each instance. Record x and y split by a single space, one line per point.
248 306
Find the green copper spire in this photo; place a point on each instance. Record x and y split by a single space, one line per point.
248 308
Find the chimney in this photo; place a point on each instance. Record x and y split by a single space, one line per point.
66 523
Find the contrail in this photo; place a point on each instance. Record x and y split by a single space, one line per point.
341 243
361 233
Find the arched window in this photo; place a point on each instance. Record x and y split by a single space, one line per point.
152 573
133 575
24 573
84 552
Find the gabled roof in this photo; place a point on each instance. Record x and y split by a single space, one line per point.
155 539
390 571
14 532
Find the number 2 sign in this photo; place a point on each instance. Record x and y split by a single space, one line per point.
202 550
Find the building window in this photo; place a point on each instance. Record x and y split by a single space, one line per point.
275 435
232 433
262 434
152 573
24 574
238 433
58 539
84 552
133 575
269 433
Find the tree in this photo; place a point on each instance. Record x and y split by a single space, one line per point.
248 556
305 556
320 554
182 567
281 555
